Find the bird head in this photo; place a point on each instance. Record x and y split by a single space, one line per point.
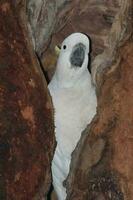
73 59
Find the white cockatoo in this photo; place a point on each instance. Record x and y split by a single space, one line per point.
74 100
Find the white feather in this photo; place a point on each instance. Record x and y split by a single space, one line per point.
75 102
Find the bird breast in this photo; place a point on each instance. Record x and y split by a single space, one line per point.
73 111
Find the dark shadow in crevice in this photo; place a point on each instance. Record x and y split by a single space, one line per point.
49 196
43 70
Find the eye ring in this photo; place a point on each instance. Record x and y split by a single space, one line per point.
64 46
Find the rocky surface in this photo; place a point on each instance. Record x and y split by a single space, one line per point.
26 116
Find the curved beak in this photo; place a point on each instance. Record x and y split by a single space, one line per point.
77 55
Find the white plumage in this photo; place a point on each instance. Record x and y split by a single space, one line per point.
74 101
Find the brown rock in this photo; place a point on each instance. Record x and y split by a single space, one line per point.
26 118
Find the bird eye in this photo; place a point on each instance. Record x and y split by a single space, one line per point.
64 47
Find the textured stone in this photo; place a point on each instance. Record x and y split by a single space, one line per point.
26 117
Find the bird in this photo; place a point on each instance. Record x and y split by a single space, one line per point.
74 101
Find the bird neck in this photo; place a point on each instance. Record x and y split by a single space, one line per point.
72 82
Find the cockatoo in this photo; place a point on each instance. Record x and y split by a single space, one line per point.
75 102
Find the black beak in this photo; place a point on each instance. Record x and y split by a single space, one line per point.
77 55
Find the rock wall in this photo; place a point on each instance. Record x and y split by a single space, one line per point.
26 116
